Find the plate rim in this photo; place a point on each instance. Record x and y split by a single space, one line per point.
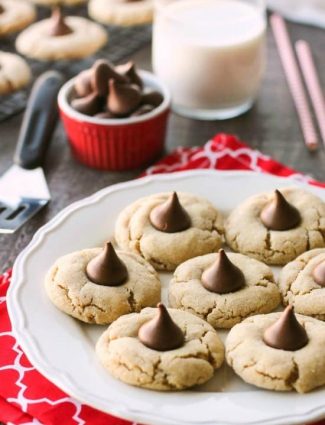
49 371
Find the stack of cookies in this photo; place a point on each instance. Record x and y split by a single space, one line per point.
212 288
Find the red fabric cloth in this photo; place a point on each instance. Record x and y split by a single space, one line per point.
26 397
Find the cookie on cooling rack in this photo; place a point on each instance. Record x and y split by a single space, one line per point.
56 38
52 3
15 15
14 73
121 12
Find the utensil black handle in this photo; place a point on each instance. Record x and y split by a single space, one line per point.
39 120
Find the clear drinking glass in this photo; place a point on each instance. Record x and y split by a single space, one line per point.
211 54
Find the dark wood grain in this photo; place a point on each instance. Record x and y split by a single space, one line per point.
271 126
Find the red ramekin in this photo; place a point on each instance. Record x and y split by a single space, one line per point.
119 143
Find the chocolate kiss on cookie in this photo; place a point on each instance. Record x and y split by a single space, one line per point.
170 216
88 105
102 72
286 333
279 214
107 268
123 99
161 333
319 273
1 9
57 25
223 276
128 70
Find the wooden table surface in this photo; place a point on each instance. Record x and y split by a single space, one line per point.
271 126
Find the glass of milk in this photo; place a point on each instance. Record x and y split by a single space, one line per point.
211 54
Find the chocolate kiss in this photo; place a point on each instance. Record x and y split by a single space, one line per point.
102 72
1 9
279 214
58 27
123 98
107 268
144 109
161 333
153 98
88 105
128 70
82 84
223 276
170 216
286 333
105 115
319 273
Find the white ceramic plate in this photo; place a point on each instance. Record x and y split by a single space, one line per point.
62 348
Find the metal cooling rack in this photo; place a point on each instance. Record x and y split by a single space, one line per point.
123 41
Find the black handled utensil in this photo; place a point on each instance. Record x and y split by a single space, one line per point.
23 188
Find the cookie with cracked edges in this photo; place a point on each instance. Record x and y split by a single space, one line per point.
245 232
165 251
299 287
125 357
259 295
275 369
70 289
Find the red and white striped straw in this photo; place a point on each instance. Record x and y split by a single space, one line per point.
309 72
294 80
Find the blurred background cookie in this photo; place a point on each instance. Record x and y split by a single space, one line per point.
58 38
14 73
121 12
15 15
51 3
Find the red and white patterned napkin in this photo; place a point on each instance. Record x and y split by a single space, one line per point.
27 397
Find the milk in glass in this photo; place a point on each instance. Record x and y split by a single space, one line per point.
211 54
